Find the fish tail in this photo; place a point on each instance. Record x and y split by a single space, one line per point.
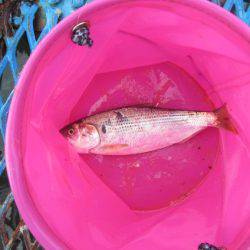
224 119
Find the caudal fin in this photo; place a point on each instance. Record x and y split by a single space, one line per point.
224 120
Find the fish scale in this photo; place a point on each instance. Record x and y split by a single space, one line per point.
160 118
136 130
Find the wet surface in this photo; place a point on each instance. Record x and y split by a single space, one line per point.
160 178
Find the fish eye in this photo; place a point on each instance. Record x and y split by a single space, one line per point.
71 131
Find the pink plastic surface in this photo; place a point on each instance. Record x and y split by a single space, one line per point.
172 54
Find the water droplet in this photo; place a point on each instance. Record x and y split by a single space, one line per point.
137 165
157 175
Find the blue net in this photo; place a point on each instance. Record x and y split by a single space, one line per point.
51 12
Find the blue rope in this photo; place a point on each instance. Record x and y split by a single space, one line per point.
4 207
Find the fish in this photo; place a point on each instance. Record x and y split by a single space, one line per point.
136 130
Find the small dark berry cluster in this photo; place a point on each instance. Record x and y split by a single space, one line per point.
206 246
80 35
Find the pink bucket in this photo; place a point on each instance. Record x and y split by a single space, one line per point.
172 54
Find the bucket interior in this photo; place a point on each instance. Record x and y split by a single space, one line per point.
148 53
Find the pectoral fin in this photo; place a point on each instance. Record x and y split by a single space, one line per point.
111 148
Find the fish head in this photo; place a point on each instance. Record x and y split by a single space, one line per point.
82 136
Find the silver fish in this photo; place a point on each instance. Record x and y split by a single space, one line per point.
135 130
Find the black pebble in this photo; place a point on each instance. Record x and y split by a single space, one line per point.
204 246
80 36
207 246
